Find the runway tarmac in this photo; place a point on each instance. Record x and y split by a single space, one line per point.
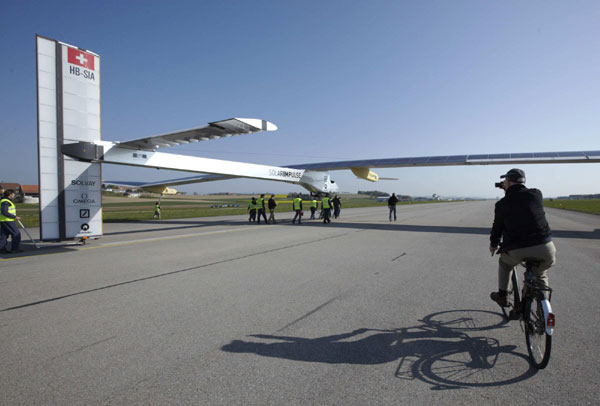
216 311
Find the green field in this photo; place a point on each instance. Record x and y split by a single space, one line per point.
176 208
586 206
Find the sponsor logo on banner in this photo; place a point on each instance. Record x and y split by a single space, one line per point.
84 64
84 199
80 58
84 213
85 227
79 182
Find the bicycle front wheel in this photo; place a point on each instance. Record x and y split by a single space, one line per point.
539 342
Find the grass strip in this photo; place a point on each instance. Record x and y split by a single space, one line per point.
143 209
585 206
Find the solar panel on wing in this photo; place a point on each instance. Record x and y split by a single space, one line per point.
522 155
571 154
545 154
457 158
519 157
438 159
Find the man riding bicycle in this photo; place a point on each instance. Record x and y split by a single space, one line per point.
520 223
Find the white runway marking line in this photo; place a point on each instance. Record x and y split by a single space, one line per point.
171 237
190 235
173 272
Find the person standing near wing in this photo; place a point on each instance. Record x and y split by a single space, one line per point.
8 226
252 210
520 231
297 203
392 201
272 206
326 205
337 205
261 208
156 211
313 208
322 211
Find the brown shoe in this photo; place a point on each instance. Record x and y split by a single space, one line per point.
500 299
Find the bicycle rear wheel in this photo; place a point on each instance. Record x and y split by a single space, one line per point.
539 343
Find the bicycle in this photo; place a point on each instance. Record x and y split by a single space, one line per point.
532 308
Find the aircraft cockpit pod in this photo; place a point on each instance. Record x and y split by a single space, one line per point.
333 187
318 182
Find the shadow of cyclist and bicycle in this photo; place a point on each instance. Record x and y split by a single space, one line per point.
446 351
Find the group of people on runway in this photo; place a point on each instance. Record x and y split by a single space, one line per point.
257 209
257 206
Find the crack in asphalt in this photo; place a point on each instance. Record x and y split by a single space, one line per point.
84 347
313 311
399 256
39 302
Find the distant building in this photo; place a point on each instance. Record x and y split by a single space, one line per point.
401 198
580 197
585 197
31 190
19 195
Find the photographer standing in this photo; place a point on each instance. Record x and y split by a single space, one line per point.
520 223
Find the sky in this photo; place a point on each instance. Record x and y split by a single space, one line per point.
342 80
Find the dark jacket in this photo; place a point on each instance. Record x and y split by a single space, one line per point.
272 204
392 201
519 219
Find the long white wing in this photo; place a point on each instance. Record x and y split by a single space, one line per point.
450 160
217 129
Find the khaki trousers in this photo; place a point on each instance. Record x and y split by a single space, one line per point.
545 253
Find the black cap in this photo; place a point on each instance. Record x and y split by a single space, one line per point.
515 175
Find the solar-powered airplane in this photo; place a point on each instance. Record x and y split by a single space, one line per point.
70 149
314 177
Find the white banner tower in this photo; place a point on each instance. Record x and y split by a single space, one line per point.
68 106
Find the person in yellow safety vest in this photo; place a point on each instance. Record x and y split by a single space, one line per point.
261 208
313 208
252 209
156 211
326 209
298 208
8 215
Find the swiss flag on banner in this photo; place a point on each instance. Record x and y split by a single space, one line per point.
83 59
